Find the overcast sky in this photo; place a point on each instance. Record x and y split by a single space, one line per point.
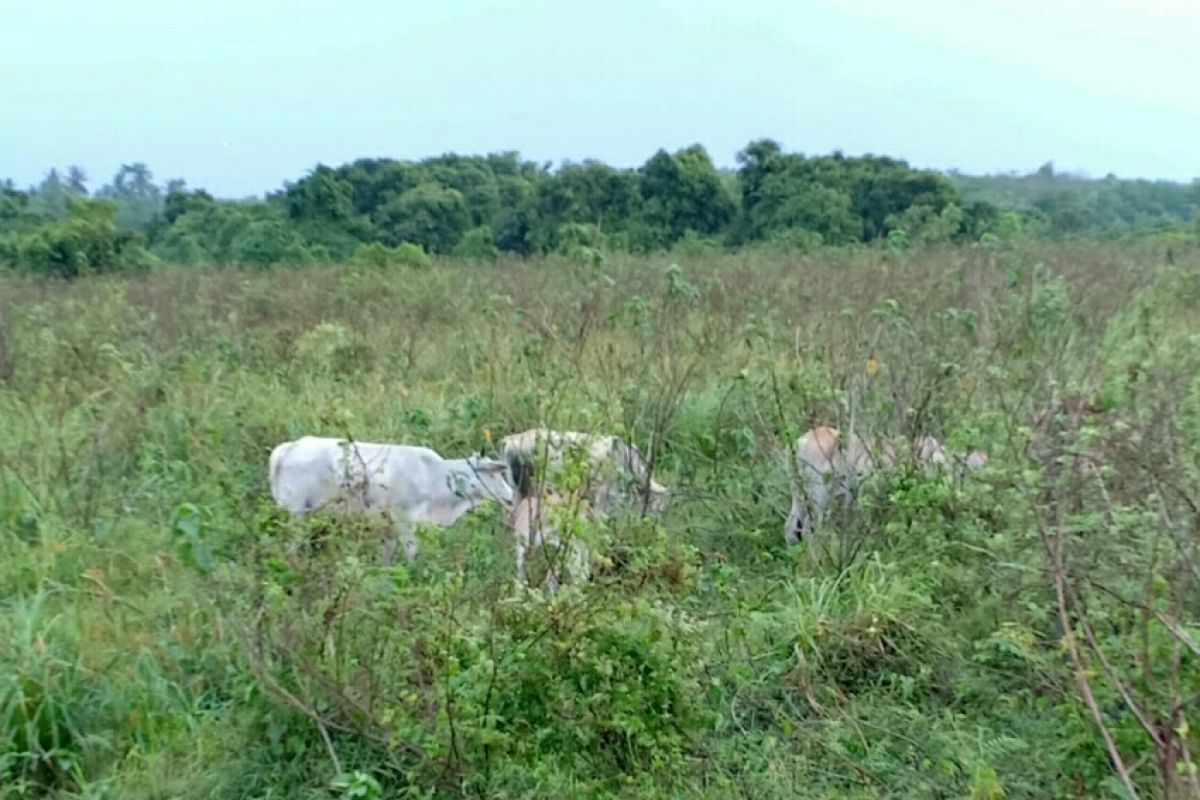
239 95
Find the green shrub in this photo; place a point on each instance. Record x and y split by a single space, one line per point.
406 254
270 241
331 349
86 242
799 239
478 244
693 244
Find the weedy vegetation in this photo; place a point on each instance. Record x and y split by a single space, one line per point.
1027 631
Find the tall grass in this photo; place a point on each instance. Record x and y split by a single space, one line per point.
1030 632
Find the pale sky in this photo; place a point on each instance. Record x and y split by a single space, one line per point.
238 96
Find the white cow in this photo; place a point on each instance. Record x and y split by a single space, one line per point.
536 522
616 473
411 485
829 469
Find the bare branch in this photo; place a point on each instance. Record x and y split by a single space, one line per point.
1054 551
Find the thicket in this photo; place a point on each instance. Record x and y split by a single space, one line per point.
1028 633
478 207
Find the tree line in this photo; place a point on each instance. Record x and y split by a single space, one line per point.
386 211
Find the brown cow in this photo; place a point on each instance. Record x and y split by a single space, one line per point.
828 468
617 475
535 522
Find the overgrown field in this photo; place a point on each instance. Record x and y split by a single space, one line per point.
1028 632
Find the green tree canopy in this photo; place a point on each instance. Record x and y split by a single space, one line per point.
683 192
86 241
429 215
136 197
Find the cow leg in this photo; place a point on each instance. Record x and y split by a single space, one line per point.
551 581
579 567
797 522
409 536
406 533
526 541
572 563
811 508
554 565
520 558
561 568
808 505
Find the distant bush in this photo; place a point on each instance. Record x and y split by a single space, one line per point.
577 234
270 241
376 254
928 226
478 244
795 239
181 247
694 244
86 242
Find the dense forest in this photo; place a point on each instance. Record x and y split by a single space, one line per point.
384 211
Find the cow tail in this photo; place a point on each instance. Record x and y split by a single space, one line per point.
275 466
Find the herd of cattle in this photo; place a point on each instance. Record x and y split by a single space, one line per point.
416 485
543 470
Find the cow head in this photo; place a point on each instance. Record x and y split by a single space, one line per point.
659 497
489 479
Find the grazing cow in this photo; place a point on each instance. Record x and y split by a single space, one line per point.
617 474
411 485
536 521
829 469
